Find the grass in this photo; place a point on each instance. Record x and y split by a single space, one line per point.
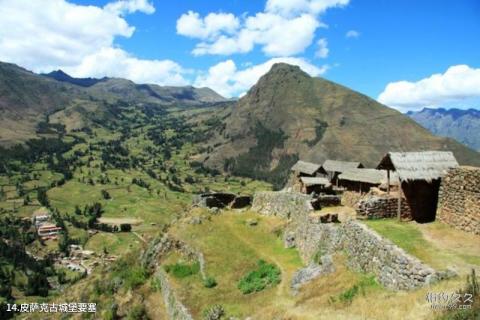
113 243
435 243
228 260
365 283
266 275
182 270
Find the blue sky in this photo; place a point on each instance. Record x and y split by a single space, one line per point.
407 54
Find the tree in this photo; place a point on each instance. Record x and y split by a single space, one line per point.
37 285
63 243
26 200
42 197
61 276
106 195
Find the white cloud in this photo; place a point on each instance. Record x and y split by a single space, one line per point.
288 8
284 28
229 81
458 83
42 35
352 34
322 51
56 34
130 6
191 25
114 62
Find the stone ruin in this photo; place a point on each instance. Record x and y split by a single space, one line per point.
319 236
222 200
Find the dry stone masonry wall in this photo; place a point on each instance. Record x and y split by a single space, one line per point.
459 199
366 250
381 206
175 309
281 204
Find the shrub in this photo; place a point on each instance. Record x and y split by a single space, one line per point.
106 195
215 312
182 270
138 312
210 282
348 295
266 275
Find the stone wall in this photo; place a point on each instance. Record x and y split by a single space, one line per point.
381 206
366 250
459 199
282 204
175 309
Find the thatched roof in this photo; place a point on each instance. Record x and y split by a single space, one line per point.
372 176
426 165
340 166
305 167
315 181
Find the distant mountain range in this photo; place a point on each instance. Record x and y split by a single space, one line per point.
287 115
461 125
27 99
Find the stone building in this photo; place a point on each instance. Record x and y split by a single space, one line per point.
459 199
420 174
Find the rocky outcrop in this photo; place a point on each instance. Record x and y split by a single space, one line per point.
312 271
161 246
175 309
459 199
281 204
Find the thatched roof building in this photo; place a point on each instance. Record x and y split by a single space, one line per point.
306 168
340 166
314 184
313 181
420 174
369 176
426 165
361 180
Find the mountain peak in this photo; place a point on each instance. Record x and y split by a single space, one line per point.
284 69
60 75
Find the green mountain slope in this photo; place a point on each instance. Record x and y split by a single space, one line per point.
289 114
24 100
31 103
